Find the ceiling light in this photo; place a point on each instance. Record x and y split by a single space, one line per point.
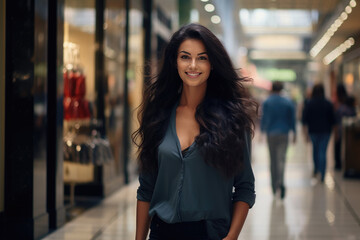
204 0
215 19
344 16
338 51
330 34
194 15
352 3
277 55
338 22
209 7
332 29
348 9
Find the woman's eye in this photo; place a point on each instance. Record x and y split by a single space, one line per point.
184 57
203 58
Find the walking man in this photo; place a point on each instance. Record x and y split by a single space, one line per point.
278 119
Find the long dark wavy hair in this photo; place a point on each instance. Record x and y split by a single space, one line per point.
225 115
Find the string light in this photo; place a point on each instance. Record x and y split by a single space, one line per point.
338 51
332 29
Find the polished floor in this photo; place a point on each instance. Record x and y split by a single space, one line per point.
311 210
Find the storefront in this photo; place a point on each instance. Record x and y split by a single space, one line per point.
70 84
351 73
30 107
345 70
351 125
73 79
94 45
101 92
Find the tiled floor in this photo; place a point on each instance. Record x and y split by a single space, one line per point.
311 210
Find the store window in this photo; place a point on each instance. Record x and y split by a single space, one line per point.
2 102
102 85
351 77
135 72
85 148
94 96
114 53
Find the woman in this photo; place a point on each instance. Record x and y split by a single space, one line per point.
319 119
194 143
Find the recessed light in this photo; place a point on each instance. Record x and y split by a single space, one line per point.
352 3
209 7
215 19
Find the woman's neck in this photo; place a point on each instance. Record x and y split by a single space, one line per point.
191 97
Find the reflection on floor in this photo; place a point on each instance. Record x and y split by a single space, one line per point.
310 211
78 207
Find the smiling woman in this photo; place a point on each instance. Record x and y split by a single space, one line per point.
196 119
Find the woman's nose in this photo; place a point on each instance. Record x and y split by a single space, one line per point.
193 63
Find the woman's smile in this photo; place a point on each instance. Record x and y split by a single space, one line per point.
193 74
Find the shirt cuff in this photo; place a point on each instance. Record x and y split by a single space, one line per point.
244 195
143 195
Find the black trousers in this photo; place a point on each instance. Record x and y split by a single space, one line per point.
160 230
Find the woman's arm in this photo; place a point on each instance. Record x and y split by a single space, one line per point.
144 196
244 194
142 220
240 212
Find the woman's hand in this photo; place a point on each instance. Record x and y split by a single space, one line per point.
229 238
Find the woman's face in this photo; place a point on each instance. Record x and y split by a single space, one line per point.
193 63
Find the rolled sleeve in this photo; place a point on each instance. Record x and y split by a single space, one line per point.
244 183
146 187
244 189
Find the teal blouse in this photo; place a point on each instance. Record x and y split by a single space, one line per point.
187 189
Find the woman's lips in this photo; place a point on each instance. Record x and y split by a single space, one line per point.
193 75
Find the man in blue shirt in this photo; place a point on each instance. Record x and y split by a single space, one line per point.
278 119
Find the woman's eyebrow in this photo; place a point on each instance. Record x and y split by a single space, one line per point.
190 53
185 52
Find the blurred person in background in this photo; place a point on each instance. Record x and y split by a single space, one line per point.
319 119
345 108
351 104
277 121
196 121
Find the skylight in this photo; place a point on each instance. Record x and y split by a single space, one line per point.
281 21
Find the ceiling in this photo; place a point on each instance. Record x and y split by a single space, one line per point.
255 37
323 6
276 33
280 33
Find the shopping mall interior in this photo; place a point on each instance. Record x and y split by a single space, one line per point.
72 75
